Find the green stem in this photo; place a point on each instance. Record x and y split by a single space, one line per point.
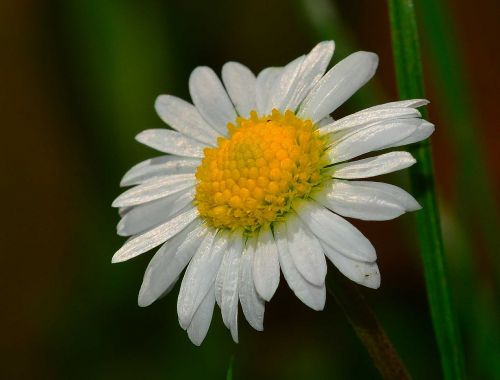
367 327
229 373
410 85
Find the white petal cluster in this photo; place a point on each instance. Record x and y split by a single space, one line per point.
227 267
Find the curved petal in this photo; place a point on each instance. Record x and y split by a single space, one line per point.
283 86
251 304
229 289
146 216
219 279
311 295
266 267
371 138
198 328
264 84
311 71
185 118
306 251
374 166
338 84
167 264
159 167
240 83
336 231
296 82
423 131
366 274
171 142
369 116
396 194
410 103
210 98
153 238
200 276
155 189
358 201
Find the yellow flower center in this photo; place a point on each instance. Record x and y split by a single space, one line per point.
251 178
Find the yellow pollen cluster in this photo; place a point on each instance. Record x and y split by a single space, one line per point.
252 177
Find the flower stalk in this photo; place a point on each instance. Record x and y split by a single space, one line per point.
367 327
410 85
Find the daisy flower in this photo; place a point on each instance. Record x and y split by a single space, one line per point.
257 179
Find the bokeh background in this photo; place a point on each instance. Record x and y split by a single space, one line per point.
78 82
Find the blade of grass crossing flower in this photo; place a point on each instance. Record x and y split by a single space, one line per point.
410 85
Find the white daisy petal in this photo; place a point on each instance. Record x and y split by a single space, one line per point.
265 81
251 304
198 328
171 142
325 121
374 166
284 85
240 83
266 267
122 211
396 194
211 99
311 295
312 69
423 131
155 189
411 103
300 76
338 84
146 216
200 276
306 251
366 274
368 116
354 200
370 138
185 118
230 295
159 167
219 279
167 264
153 238
336 231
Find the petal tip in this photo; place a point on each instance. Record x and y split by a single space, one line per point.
144 299
124 182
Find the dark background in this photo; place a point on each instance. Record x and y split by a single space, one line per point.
78 82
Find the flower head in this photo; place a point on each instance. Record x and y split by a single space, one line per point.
257 179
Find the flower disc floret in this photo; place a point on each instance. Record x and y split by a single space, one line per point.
252 177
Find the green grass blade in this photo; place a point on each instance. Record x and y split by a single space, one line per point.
474 209
410 85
